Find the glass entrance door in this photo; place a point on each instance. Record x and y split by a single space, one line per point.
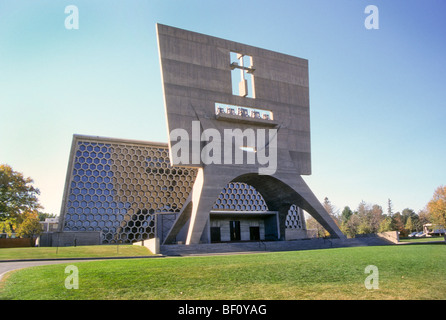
234 229
254 233
215 234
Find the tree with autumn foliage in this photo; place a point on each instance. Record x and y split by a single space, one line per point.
312 224
437 206
30 226
17 197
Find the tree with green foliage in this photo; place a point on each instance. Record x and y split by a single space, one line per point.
410 226
408 213
389 208
385 225
364 228
346 214
370 218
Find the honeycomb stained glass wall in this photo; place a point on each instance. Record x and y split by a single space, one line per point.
243 197
240 197
117 186
294 219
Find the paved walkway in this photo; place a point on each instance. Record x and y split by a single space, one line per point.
9 266
6 266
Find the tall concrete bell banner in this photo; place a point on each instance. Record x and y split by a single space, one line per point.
237 113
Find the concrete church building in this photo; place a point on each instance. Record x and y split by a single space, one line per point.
238 122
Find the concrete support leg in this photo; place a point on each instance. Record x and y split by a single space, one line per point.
279 191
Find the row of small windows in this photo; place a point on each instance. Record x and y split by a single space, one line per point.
91 191
93 146
113 207
88 197
89 156
93 224
94 173
240 201
89 179
90 218
92 204
240 194
92 164
158 159
119 149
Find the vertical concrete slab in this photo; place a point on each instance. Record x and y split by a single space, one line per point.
196 74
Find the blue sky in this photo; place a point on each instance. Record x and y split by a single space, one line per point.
377 97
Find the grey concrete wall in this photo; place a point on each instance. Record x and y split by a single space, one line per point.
152 244
295 234
70 238
196 74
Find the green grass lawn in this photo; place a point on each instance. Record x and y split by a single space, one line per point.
405 272
73 252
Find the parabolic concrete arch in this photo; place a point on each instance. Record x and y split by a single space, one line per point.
280 191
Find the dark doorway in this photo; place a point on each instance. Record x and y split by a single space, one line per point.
215 234
254 233
234 229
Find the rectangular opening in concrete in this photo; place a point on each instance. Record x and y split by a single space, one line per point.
242 75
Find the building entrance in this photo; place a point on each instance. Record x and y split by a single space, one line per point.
215 234
234 230
254 233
